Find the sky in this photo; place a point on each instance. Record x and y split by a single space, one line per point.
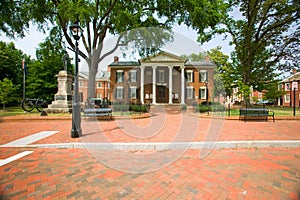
32 38
185 42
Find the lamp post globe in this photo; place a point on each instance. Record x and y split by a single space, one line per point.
76 117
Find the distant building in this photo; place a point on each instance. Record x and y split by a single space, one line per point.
288 84
163 78
102 85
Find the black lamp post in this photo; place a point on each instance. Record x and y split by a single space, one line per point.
76 118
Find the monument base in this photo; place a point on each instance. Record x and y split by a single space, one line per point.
63 98
59 106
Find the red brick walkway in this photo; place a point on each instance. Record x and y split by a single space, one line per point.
224 174
168 129
255 173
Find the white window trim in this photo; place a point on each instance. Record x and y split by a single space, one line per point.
287 100
191 92
205 90
118 96
205 73
98 85
161 79
287 88
192 74
131 89
131 72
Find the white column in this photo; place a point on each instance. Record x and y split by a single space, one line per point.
142 83
182 85
154 84
170 84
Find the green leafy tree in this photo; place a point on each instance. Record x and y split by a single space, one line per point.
224 72
194 56
11 63
261 36
41 81
8 92
101 17
272 92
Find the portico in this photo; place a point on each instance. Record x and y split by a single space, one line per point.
160 79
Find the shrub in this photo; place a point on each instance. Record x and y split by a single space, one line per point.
210 106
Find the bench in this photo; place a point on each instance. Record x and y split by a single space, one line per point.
256 113
98 112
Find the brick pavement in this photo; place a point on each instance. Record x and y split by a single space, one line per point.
224 174
249 173
114 131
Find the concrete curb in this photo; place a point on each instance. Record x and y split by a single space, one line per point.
158 146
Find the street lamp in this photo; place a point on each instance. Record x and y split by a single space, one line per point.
76 131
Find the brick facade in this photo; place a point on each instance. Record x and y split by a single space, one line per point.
166 85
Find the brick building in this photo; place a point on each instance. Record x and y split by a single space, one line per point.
161 79
102 86
291 87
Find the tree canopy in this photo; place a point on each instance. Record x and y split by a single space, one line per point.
265 34
11 63
40 80
101 17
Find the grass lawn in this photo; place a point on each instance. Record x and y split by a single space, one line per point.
13 111
278 111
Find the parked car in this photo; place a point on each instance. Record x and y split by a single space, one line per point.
265 102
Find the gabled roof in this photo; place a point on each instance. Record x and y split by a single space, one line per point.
101 75
163 57
199 63
292 77
125 63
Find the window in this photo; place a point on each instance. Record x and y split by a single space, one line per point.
287 98
280 86
203 76
132 76
287 87
161 76
133 92
120 93
189 76
99 95
120 76
190 92
148 72
80 83
99 85
202 93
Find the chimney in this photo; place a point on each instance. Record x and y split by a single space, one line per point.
207 58
116 59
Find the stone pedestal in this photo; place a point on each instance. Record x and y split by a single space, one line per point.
63 98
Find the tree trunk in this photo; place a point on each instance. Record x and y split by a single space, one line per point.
92 83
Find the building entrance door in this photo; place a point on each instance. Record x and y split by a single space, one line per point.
161 94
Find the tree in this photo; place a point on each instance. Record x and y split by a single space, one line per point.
101 17
261 36
41 81
194 57
224 73
11 63
8 92
272 92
